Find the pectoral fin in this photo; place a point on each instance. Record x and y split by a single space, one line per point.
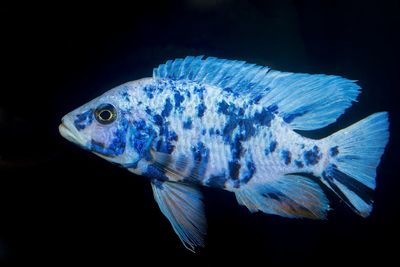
183 207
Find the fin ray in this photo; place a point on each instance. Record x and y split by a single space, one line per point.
290 196
183 207
305 101
352 170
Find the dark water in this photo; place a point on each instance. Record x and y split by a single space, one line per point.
61 204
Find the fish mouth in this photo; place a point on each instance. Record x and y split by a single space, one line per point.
70 133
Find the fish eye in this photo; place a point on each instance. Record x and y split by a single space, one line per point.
106 114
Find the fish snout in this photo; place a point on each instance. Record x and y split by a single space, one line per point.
70 132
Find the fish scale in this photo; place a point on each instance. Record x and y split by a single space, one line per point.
232 125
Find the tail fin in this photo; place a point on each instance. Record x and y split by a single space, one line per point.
355 153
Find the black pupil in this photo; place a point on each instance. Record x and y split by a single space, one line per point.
105 115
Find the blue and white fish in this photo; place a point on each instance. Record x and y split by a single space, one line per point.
232 125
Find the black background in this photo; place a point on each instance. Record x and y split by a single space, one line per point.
60 204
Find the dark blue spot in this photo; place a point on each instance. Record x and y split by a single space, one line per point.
201 108
154 173
141 136
234 168
148 110
312 156
223 107
140 123
165 136
230 125
187 124
286 156
117 147
158 183
299 164
236 147
200 151
167 108
257 99
290 117
230 90
251 169
178 98
200 156
272 146
264 118
211 131
83 120
217 132
158 120
164 143
217 181
273 108
149 90
125 95
247 128
333 151
199 92
172 136
203 132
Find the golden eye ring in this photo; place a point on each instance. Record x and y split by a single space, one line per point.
106 114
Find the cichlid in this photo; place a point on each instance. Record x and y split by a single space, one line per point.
232 125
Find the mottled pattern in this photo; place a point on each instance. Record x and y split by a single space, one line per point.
221 135
312 156
141 136
229 140
334 151
118 142
83 119
232 125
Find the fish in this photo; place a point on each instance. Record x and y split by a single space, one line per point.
235 126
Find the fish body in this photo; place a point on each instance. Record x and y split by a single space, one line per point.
232 125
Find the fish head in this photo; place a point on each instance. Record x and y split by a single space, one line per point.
103 125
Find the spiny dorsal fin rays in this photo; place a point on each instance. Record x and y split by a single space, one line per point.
305 101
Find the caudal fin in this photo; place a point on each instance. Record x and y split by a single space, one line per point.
355 153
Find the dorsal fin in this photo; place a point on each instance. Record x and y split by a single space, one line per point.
305 101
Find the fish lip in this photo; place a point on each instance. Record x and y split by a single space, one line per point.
70 134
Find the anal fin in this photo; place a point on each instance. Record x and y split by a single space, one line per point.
289 196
